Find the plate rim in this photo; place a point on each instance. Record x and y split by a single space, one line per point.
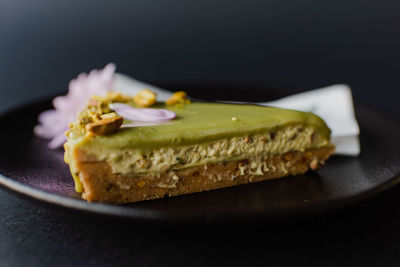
122 211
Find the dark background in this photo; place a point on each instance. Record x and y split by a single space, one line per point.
280 44
296 45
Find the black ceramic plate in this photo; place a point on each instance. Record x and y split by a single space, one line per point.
28 167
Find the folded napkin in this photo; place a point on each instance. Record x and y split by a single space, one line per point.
334 104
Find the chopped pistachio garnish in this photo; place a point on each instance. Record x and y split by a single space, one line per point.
117 97
178 98
84 120
99 104
97 118
145 98
112 96
109 115
105 126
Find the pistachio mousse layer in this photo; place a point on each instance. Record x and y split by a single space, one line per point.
201 135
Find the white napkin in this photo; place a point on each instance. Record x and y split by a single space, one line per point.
333 104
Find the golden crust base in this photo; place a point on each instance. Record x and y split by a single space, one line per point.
100 184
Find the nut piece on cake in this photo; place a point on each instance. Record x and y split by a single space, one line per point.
105 126
145 98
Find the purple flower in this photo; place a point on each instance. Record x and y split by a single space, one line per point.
54 123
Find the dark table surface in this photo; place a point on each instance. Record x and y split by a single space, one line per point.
263 44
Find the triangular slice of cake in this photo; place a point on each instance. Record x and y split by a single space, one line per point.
206 146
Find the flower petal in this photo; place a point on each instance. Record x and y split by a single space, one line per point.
53 123
46 116
57 141
145 114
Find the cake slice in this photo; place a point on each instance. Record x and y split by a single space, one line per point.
206 146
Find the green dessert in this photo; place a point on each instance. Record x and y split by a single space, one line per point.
206 146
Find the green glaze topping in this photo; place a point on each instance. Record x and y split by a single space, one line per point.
205 122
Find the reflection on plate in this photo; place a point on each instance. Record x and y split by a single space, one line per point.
28 167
